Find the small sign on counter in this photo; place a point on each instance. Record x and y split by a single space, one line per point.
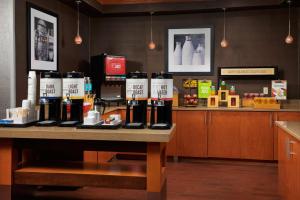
279 89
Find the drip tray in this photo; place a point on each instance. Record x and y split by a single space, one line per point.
134 125
160 126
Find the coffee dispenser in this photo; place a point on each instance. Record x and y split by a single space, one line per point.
50 98
136 100
73 97
161 101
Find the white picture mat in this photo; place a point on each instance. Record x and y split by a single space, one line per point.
37 64
189 68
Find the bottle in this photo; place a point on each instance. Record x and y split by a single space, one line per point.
178 54
187 51
223 85
196 58
232 90
87 85
201 51
31 93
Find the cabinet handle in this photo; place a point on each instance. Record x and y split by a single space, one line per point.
288 150
209 120
205 118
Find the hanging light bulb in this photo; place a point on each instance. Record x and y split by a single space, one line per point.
224 42
78 39
151 44
289 39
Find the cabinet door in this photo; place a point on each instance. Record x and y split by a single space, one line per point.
256 135
283 116
224 134
172 145
288 160
191 133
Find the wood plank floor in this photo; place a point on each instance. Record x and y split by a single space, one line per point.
194 180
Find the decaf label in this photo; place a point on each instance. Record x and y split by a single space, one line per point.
74 87
137 88
50 87
162 88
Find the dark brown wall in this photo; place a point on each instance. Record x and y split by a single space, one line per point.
71 56
256 39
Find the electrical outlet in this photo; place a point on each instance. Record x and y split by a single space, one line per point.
266 90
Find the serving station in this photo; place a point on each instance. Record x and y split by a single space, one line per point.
20 166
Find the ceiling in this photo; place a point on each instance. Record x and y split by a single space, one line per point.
122 2
144 7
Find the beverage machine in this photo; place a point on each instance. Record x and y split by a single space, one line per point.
161 100
73 98
136 100
50 98
109 75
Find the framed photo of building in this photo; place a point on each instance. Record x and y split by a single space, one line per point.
189 51
42 39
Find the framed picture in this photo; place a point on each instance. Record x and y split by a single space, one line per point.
190 51
42 39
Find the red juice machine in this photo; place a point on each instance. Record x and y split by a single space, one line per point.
108 73
161 101
136 100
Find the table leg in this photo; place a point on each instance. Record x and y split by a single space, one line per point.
156 178
8 162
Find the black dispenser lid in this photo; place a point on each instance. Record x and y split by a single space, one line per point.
137 75
73 75
162 75
50 74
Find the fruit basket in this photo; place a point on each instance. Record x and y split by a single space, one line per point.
190 97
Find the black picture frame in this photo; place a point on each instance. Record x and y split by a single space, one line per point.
211 51
30 64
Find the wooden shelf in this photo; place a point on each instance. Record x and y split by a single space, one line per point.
83 174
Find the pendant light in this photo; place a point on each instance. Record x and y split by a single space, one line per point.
289 39
224 42
151 44
78 39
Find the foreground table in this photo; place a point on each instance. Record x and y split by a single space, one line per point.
20 165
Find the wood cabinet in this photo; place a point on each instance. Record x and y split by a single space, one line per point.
288 166
256 135
191 133
172 145
283 116
224 134
245 135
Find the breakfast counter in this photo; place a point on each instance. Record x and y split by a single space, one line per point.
19 165
290 127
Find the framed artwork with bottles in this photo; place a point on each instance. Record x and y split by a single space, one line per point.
189 51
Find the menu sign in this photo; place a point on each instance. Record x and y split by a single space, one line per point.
204 89
74 87
279 89
137 88
162 88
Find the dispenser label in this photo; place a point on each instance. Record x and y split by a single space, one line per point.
162 88
50 87
137 88
74 87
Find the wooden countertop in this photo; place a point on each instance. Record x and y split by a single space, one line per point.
291 127
202 108
65 133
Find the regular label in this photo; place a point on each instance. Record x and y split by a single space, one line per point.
50 87
74 87
137 88
162 88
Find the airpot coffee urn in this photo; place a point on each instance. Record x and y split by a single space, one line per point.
73 97
136 100
50 98
161 100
